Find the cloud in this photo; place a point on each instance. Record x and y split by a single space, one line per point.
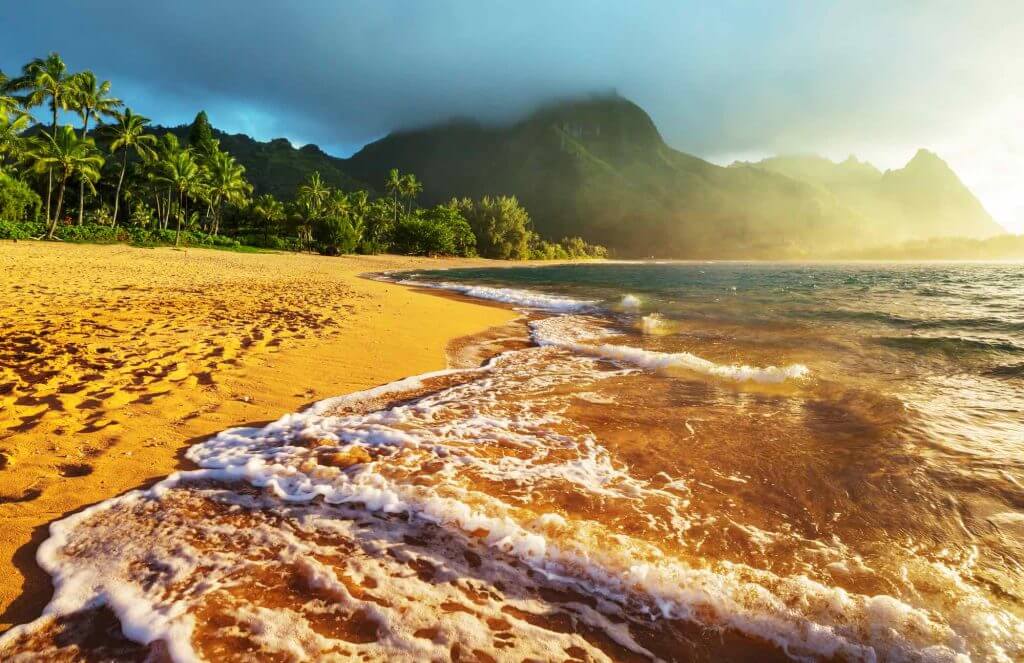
878 79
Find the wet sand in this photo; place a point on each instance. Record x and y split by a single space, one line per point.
114 360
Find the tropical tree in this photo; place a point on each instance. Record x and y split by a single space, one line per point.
312 197
92 100
270 211
394 185
200 134
11 143
410 188
167 146
183 175
9 105
66 154
225 183
129 135
45 79
501 225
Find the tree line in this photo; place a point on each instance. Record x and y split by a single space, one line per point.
109 177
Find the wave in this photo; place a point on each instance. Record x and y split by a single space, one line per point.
409 518
983 323
513 296
1007 371
571 333
949 345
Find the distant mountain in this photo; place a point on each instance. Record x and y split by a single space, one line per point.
924 199
598 168
277 166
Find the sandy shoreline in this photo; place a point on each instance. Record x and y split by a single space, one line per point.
113 360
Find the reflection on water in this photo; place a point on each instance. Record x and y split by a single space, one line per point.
691 462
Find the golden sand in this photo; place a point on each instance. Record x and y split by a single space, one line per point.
113 360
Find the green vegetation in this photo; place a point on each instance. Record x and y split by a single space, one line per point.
196 186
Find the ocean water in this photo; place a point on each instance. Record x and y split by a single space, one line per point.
671 461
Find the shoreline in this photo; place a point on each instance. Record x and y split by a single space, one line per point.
70 451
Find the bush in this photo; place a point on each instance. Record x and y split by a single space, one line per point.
336 235
501 226
11 230
441 231
18 202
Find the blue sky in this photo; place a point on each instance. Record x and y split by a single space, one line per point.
722 80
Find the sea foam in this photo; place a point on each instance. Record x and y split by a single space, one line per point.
573 334
514 296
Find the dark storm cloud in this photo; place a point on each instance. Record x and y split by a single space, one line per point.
725 78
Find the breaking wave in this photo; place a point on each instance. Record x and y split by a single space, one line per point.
572 333
512 296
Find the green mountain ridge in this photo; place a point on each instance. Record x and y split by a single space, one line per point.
276 166
599 168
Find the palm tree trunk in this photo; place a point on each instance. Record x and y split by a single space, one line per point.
81 184
120 182
60 202
49 192
158 208
177 234
49 185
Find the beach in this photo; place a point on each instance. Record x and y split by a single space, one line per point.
114 360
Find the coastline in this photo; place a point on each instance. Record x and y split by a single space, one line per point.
264 334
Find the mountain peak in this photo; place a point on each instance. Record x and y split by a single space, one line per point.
606 116
926 159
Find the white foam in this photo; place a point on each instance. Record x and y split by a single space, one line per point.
653 324
630 303
514 296
568 332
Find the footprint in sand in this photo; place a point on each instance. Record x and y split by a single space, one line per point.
72 470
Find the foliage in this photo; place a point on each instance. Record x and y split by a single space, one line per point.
200 133
18 202
501 226
440 231
336 235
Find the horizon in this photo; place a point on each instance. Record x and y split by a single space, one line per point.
725 83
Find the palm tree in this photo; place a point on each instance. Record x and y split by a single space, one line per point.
11 128
8 105
312 196
338 204
225 183
394 186
129 134
410 188
91 100
167 147
270 211
67 155
182 174
42 79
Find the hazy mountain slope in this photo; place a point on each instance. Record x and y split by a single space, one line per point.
922 200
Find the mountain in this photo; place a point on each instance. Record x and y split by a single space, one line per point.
924 199
277 166
599 168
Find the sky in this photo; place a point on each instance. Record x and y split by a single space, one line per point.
723 80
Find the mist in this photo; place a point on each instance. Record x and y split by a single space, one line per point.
724 81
